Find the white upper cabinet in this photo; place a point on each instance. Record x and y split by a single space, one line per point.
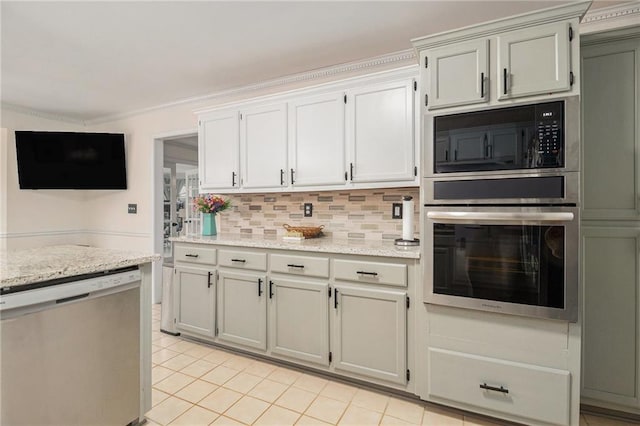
458 74
218 151
316 132
356 133
263 136
530 55
533 61
380 132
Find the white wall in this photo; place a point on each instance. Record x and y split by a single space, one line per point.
109 213
31 218
178 153
100 218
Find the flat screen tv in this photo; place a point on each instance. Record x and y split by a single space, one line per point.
70 160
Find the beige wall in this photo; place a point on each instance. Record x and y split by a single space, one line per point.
100 217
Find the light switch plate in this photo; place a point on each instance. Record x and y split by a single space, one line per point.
396 211
132 209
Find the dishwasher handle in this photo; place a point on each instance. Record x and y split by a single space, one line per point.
72 298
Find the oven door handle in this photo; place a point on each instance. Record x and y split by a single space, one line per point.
502 216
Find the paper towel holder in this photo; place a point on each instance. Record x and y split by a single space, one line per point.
405 242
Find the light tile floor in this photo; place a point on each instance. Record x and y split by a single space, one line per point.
196 384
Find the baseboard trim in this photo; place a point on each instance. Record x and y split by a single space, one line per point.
606 412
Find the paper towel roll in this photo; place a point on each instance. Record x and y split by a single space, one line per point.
407 218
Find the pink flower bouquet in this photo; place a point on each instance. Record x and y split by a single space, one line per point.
209 203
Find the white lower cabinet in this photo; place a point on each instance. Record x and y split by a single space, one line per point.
338 313
242 309
195 300
299 319
533 393
369 333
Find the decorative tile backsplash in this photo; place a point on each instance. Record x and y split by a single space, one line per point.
362 214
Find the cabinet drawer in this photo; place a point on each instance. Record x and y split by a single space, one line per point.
243 260
371 272
195 254
300 265
529 391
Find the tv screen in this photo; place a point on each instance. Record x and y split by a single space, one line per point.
69 160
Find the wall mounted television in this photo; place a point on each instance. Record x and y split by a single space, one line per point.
71 160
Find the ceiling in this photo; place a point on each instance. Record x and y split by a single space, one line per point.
88 60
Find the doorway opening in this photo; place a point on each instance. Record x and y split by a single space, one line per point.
175 157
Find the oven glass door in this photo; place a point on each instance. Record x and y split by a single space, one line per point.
525 259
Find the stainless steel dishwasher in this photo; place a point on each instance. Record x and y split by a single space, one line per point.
70 351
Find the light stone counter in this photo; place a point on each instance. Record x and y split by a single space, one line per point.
319 245
28 266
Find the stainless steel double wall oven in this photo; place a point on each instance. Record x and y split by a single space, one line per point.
502 209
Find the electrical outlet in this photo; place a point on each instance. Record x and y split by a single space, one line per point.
396 211
132 209
308 209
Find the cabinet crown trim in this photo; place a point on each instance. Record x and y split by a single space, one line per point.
406 67
612 12
598 25
517 22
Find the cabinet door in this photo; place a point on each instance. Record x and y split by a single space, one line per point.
316 132
263 135
195 301
242 309
218 151
380 132
611 136
611 330
458 74
299 319
533 61
370 332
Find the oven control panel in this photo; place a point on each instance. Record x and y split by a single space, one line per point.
549 134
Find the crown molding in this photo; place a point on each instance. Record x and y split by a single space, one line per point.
399 58
42 114
344 84
610 18
563 12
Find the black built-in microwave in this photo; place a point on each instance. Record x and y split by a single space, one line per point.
522 137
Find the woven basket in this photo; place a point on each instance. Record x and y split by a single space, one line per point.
306 231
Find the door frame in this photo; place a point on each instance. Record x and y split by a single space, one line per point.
157 198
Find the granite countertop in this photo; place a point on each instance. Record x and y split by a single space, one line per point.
28 266
321 245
